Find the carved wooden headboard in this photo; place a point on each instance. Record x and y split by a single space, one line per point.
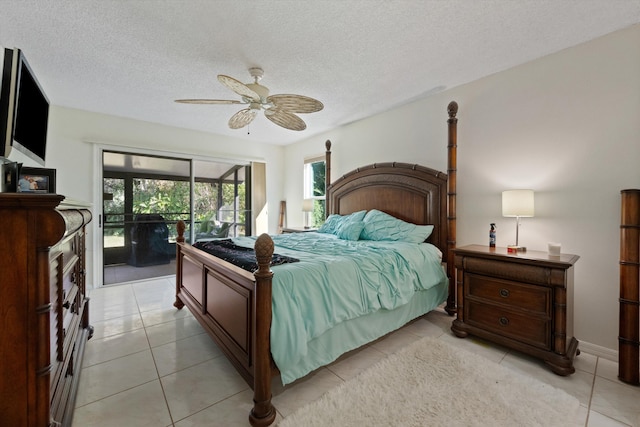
412 193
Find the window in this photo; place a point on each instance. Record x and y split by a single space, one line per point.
314 188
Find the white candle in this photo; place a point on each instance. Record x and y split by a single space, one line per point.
554 249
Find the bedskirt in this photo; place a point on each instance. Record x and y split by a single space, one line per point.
354 333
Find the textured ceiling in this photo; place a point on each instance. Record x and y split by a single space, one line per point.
359 57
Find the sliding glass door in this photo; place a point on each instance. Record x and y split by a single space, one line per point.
145 196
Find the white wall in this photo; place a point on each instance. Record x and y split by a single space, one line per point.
74 134
566 125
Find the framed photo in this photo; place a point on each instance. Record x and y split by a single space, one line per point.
36 180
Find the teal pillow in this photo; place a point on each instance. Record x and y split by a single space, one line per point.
382 226
350 230
335 222
331 224
356 216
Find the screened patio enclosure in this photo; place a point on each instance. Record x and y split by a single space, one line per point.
144 196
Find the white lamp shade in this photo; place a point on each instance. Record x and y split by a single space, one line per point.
517 203
307 205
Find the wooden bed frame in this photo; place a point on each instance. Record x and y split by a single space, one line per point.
234 306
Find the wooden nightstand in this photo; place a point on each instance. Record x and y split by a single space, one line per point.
523 301
297 230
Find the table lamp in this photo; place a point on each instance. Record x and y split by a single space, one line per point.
518 204
307 206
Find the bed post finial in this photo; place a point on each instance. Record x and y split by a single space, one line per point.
264 252
452 109
452 168
263 413
180 227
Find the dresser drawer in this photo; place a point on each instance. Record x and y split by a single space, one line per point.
70 324
514 294
522 327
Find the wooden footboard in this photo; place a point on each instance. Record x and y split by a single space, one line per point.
234 307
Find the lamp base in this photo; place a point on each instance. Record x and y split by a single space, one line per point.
516 249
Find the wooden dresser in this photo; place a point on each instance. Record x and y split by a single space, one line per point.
44 317
523 301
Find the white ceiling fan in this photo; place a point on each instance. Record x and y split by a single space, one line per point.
280 109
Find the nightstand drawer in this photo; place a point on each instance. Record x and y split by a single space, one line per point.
533 298
531 330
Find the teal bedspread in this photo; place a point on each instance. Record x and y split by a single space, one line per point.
338 281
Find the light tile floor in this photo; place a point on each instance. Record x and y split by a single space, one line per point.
149 364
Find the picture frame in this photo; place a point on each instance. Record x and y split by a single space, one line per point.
36 180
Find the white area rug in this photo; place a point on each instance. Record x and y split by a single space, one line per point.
431 383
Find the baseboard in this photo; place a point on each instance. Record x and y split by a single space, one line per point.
599 351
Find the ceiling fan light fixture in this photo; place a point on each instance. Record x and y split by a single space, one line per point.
280 109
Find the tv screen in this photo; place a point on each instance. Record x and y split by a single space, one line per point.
24 109
7 101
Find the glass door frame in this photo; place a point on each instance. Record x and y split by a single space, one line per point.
129 215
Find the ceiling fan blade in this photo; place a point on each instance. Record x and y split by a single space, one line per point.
295 103
285 119
238 87
208 101
242 118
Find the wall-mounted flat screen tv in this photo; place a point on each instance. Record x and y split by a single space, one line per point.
24 109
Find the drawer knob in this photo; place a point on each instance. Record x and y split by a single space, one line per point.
66 304
503 321
504 293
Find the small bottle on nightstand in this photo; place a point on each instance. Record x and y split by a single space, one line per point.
492 235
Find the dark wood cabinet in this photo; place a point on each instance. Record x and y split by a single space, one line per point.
44 317
520 300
